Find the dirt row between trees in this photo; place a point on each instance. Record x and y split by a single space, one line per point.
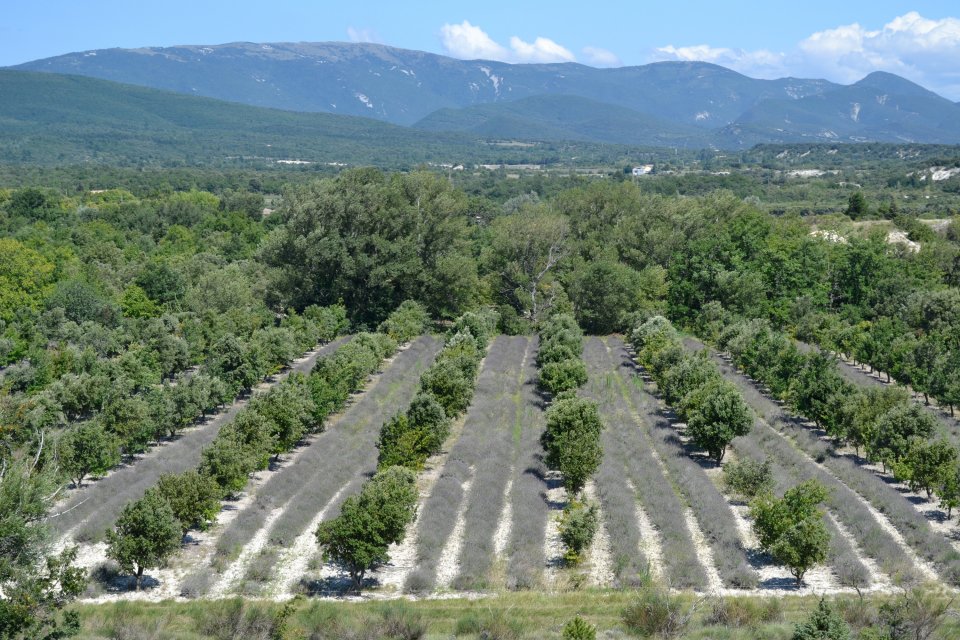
772 579
86 513
465 535
253 555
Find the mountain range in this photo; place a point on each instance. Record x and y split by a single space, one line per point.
681 104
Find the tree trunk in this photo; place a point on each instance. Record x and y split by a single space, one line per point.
139 577
798 574
356 576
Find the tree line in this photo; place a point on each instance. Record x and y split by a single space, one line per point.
790 528
882 422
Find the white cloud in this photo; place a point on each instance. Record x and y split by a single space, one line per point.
363 35
470 42
601 57
540 50
923 50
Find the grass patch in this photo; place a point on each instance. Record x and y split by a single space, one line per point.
529 614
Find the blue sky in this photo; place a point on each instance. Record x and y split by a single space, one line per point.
841 41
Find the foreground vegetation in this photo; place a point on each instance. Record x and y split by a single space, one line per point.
514 616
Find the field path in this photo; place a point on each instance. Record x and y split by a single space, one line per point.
88 512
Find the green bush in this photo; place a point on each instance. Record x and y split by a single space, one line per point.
446 381
425 414
407 322
656 612
491 624
579 629
400 444
748 478
572 441
744 612
193 497
578 526
482 325
823 624
566 375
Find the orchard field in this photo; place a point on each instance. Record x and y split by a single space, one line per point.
392 394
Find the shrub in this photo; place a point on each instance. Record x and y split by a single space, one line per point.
400 621
194 498
748 478
579 629
448 384
791 529
565 375
578 526
425 414
482 325
329 321
744 612
658 613
228 463
823 624
88 449
145 534
407 322
370 522
913 614
491 624
716 415
400 444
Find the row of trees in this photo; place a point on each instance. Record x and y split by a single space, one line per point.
919 348
446 388
711 406
791 528
559 358
572 435
151 528
881 421
127 424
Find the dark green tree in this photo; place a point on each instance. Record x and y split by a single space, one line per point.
791 528
572 441
716 414
823 624
88 449
193 497
857 205
370 522
145 535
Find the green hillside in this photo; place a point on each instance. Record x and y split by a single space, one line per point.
49 118
555 117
